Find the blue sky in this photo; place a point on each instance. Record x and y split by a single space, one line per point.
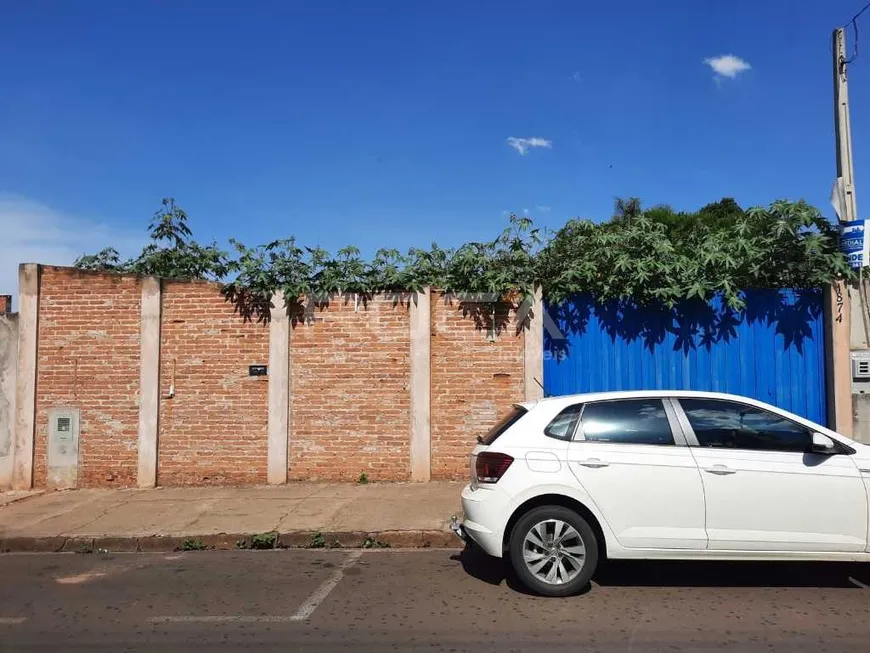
387 123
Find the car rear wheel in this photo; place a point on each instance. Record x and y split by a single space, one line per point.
553 551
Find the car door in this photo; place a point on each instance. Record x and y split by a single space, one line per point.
763 488
630 457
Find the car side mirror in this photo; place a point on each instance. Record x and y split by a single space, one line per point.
822 444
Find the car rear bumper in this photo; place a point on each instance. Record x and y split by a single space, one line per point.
486 514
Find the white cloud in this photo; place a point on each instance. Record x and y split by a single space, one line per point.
542 208
31 232
523 145
727 65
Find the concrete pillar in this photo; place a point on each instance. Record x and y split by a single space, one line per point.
25 383
279 391
533 351
421 331
8 373
838 375
149 381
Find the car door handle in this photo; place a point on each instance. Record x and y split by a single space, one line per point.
720 470
593 463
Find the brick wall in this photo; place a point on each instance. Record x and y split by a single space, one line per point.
475 378
88 357
5 303
350 401
214 430
349 384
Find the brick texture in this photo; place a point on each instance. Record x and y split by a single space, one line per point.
475 379
350 375
214 430
88 357
5 303
350 371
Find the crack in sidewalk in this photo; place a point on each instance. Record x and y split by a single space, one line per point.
102 514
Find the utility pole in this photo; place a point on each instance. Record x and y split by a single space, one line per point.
848 409
845 171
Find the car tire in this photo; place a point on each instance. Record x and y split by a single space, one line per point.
548 563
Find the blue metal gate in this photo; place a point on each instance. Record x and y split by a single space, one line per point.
773 350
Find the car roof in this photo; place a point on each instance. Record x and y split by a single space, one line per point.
563 401
568 400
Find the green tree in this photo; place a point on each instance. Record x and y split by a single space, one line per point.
653 256
657 258
724 213
626 210
108 260
692 225
172 252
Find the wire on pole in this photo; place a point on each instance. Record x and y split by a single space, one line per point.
854 25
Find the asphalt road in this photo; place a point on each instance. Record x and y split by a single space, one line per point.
425 600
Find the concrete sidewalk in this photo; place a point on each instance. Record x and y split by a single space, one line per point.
299 514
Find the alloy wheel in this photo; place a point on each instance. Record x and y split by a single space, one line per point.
554 552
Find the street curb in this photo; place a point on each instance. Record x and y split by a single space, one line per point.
399 539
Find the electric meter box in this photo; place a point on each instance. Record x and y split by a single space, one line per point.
63 447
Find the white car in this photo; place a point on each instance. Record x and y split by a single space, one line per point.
563 482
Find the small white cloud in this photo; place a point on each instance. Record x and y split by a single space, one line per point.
542 208
523 145
34 233
727 65
576 77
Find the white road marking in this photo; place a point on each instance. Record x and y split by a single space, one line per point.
12 621
305 610
858 583
317 597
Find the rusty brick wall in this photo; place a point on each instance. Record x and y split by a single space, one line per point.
214 430
475 379
5 303
349 391
88 357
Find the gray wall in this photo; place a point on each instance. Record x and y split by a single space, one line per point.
861 410
860 337
8 368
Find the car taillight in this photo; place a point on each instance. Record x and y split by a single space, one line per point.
490 466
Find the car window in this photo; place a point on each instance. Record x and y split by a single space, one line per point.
731 425
629 421
508 420
563 424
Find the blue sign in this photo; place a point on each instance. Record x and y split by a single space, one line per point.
853 242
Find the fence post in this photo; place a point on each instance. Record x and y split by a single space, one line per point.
8 374
25 383
533 350
279 392
149 382
420 384
838 376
